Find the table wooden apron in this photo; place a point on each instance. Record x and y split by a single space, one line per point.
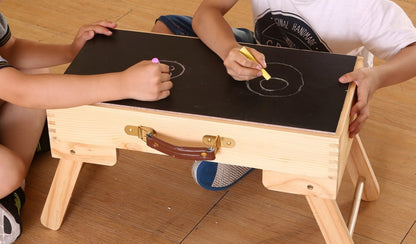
294 128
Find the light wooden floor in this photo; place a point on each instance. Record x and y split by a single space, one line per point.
152 199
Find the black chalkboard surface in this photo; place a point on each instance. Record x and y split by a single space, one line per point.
304 91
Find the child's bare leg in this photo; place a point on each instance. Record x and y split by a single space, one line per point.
160 27
20 130
11 167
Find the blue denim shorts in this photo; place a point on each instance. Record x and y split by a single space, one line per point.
182 25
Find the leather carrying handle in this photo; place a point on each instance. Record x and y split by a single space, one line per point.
193 153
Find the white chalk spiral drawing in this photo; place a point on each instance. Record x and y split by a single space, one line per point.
176 69
286 81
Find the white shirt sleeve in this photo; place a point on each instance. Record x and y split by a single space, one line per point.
386 29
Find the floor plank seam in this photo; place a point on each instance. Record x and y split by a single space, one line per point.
203 217
124 15
407 233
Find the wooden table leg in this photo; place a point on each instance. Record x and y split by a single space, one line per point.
72 156
359 165
326 211
60 193
330 220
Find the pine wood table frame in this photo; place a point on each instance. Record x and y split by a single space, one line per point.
294 161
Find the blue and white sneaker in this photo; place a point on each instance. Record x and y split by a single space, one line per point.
216 176
10 222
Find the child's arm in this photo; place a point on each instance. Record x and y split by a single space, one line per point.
25 54
143 81
211 27
398 69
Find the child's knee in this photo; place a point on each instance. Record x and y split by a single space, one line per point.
14 181
174 24
160 27
12 171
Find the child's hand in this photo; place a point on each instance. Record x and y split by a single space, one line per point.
87 32
147 81
368 82
242 68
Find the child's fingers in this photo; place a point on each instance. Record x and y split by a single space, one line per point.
357 124
238 57
99 29
83 36
361 109
239 72
167 85
243 61
346 78
163 94
164 68
106 23
259 57
354 76
165 77
240 67
163 91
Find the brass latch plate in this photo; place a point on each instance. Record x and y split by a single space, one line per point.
218 141
139 131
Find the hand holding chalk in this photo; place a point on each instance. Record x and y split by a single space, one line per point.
246 53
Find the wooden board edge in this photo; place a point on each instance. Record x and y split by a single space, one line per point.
343 127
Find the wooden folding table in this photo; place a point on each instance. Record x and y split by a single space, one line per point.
294 127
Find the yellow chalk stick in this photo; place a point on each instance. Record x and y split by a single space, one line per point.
265 74
244 51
